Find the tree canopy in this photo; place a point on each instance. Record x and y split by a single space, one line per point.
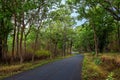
30 26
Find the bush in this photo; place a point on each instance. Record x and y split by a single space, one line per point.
97 61
110 76
91 71
42 54
93 53
28 55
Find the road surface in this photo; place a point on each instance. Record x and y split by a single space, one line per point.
66 69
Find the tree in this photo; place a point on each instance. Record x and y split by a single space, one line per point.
5 27
98 18
84 39
112 7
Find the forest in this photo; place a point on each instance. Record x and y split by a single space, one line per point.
33 30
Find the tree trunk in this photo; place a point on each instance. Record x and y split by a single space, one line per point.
35 45
118 36
36 40
64 49
67 48
5 48
21 39
21 51
13 43
64 42
71 43
25 45
55 49
26 34
1 40
18 42
0 48
95 40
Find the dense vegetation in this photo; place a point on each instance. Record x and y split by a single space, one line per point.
40 29
105 67
32 30
101 29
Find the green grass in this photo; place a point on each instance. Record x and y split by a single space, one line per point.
104 71
9 70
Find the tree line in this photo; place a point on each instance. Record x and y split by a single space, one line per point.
101 31
36 29
28 26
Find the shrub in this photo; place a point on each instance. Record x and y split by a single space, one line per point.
91 71
97 61
110 76
93 53
42 54
28 55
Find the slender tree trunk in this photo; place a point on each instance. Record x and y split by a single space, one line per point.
1 41
118 36
21 49
64 42
35 45
4 36
25 44
95 40
36 40
21 39
18 42
13 43
90 47
64 49
26 34
55 49
5 48
0 49
1 28
71 43
67 48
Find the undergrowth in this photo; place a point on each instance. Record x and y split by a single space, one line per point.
97 69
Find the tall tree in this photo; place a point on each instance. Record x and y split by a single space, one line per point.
5 26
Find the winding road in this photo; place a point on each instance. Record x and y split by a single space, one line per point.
66 69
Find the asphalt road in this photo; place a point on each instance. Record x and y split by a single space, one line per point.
66 69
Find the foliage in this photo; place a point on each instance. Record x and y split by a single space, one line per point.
97 61
84 38
42 53
98 28
93 53
40 29
110 76
107 70
91 71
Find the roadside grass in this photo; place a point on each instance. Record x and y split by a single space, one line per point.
108 69
9 70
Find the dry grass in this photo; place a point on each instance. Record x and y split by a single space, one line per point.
9 70
113 59
110 63
91 71
12 68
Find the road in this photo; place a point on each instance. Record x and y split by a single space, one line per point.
66 69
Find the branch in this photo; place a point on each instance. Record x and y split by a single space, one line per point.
113 12
33 16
